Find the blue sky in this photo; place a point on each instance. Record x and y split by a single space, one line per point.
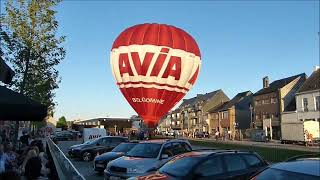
240 43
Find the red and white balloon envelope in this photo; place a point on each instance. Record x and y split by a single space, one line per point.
154 65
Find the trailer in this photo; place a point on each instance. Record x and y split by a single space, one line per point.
299 132
93 133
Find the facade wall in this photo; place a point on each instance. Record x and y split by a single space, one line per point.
266 106
312 112
289 117
243 118
287 93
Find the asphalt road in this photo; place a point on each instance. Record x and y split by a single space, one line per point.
86 168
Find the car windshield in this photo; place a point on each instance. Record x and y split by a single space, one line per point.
145 150
124 147
179 167
277 174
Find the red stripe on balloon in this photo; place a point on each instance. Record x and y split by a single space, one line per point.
159 35
153 83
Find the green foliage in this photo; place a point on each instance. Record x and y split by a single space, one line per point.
30 45
62 123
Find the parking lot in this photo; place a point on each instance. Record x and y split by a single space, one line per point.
86 168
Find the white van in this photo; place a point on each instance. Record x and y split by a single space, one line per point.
93 133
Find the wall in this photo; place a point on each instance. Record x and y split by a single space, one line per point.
289 117
312 113
287 93
271 108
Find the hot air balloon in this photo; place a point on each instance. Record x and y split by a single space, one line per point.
154 66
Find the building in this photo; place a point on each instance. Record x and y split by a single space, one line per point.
306 105
192 115
232 115
308 98
272 100
112 124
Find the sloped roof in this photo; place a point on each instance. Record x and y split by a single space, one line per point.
217 108
312 83
275 85
235 100
199 97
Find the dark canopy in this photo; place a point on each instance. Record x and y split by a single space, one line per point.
16 107
6 73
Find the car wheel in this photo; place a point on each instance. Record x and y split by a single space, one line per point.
86 156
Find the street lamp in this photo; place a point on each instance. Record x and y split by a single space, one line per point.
251 108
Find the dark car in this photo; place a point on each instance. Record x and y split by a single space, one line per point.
210 165
100 162
63 136
307 168
88 150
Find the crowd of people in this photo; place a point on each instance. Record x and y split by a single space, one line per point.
25 159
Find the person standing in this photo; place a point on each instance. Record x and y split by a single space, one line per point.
24 139
3 159
11 160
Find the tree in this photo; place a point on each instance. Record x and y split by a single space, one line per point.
30 44
62 123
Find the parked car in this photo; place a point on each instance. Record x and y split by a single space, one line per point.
63 136
301 167
210 164
199 134
88 150
100 162
145 157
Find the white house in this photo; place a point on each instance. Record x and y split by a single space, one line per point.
307 103
308 98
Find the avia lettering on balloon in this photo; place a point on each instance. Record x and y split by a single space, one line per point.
154 65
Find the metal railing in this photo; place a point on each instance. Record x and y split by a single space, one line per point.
65 169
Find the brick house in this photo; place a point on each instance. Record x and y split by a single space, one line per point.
270 101
232 115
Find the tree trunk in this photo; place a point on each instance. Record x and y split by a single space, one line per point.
22 88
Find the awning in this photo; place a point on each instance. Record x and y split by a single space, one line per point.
6 74
17 107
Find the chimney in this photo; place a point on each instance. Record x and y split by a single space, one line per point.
265 81
315 68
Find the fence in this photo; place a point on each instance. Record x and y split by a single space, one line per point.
65 169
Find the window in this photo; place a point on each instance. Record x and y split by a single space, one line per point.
265 116
179 148
273 100
305 104
258 116
266 101
258 102
234 163
317 102
145 150
179 166
211 167
252 160
225 115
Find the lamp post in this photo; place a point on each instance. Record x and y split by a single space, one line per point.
251 108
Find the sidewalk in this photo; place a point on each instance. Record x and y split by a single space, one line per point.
274 144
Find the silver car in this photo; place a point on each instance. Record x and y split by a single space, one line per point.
144 158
